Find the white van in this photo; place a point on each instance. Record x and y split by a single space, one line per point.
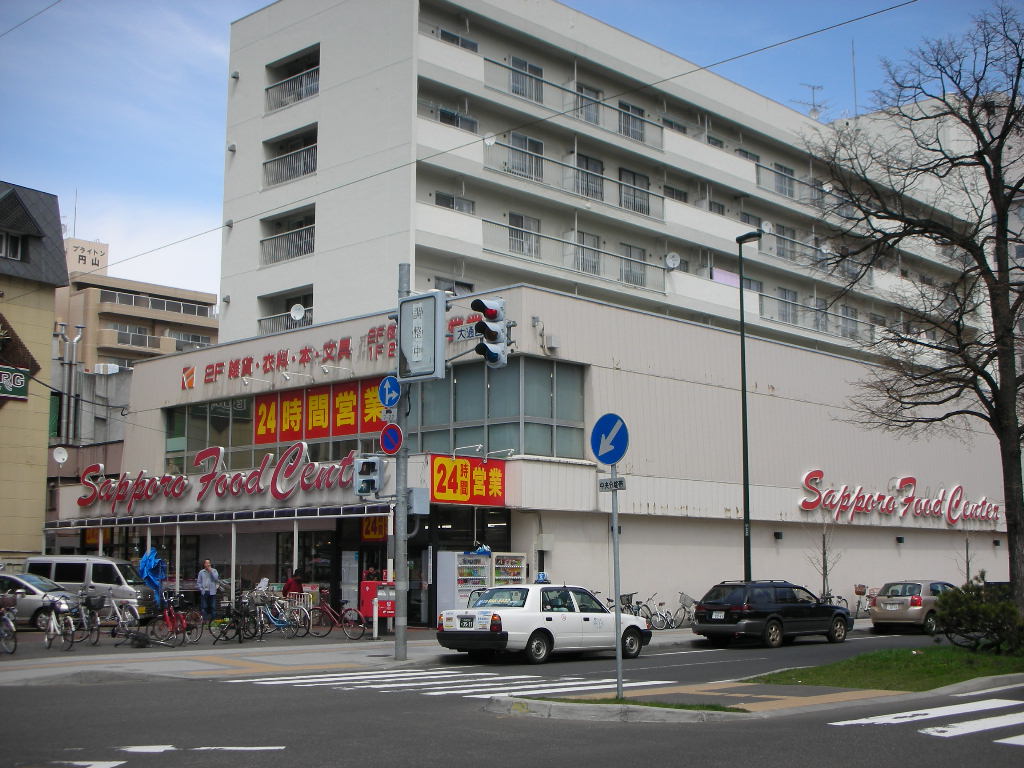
97 576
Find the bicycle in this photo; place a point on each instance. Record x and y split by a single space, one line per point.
323 618
234 623
661 618
831 599
58 622
272 616
125 617
86 619
175 623
625 603
684 613
8 633
643 608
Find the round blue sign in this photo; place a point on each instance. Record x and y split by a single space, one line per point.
391 439
389 391
609 439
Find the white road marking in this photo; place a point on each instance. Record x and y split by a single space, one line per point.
988 690
928 714
152 748
975 726
1016 741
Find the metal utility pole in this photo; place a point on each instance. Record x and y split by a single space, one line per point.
402 507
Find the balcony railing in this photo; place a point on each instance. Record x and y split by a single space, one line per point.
288 245
284 322
815 319
293 165
568 101
302 86
566 254
138 340
161 305
577 181
813 256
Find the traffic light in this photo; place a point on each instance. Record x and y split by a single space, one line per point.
369 475
494 330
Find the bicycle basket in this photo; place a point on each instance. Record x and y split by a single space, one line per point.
8 601
95 602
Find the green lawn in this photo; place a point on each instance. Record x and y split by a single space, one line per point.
918 669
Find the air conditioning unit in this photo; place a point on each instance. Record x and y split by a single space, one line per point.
105 369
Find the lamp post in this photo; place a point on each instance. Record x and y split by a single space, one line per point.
745 238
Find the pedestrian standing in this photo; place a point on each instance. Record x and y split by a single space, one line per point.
208 581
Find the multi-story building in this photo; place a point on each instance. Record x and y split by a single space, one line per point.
31 266
599 185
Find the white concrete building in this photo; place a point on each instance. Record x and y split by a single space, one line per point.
516 149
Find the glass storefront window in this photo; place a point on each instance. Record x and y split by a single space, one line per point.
174 424
502 437
435 403
537 390
537 439
436 442
470 436
220 423
503 391
241 422
569 393
569 443
469 392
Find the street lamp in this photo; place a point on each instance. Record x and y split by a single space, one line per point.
745 238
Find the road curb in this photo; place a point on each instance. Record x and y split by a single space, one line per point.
620 713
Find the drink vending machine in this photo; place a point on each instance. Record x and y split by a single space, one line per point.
459 573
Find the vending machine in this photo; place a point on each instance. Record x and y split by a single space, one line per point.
508 568
459 573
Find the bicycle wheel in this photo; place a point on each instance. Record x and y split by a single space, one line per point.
51 631
299 616
659 620
250 626
193 626
352 623
80 626
8 636
93 628
320 624
130 619
681 617
160 630
224 628
68 629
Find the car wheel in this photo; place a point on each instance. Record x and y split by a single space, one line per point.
837 632
772 637
631 644
40 619
930 625
538 648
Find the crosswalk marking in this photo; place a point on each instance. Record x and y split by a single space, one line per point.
974 726
929 714
1016 741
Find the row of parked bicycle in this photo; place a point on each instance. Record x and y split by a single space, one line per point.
658 614
256 614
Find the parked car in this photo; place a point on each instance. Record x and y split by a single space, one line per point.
775 612
910 602
32 606
97 575
538 620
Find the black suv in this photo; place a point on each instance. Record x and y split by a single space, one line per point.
773 611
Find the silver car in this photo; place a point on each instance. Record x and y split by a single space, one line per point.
911 601
32 605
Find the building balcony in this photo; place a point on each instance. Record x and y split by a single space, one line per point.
290 166
302 86
122 341
283 322
124 300
816 319
534 248
288 245
576 181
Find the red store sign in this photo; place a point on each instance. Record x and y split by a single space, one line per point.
849 502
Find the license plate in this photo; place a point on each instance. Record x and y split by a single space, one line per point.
466 622
715 615
892 606
142 609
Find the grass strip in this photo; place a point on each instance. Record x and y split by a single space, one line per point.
901 669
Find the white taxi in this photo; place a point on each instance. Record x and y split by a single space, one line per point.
538 619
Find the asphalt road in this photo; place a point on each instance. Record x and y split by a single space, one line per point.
426 712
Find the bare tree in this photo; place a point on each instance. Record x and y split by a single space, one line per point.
937 171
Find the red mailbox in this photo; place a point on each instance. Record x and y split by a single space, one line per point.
384 591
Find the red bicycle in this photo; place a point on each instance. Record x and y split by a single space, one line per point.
323 618
178 623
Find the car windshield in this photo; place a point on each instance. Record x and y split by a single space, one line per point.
40 582
502 597
726 593
131 576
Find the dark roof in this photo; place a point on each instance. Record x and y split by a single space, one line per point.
35 216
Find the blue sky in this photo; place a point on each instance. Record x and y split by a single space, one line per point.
118 106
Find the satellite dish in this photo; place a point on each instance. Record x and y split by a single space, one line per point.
60 455
297 312
827 186
766 227
672 260
489 140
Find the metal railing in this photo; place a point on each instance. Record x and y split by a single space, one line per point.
283 322
288 245
578 181
302 86
138 340
571 256
566 100
293 165
816 319
161 305
813 256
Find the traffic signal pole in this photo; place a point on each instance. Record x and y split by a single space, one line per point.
401 575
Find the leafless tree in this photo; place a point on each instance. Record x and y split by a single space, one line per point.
937 171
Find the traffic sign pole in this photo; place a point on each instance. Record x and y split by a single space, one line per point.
616 580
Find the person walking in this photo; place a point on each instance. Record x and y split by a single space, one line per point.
294 584
208 582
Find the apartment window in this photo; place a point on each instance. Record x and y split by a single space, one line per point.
587 258
456 203
633 194
588 104
522 235
673 125
526 157
128 328
590 177
785 242
526 79
632 265
450 285
753 285
459 120
714 141
751 220
459 40
748 155
676 194
787 305
848 322
716 207
820 313
784 180
10 246
631 121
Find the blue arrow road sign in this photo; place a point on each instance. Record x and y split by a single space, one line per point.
389 391
609 439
